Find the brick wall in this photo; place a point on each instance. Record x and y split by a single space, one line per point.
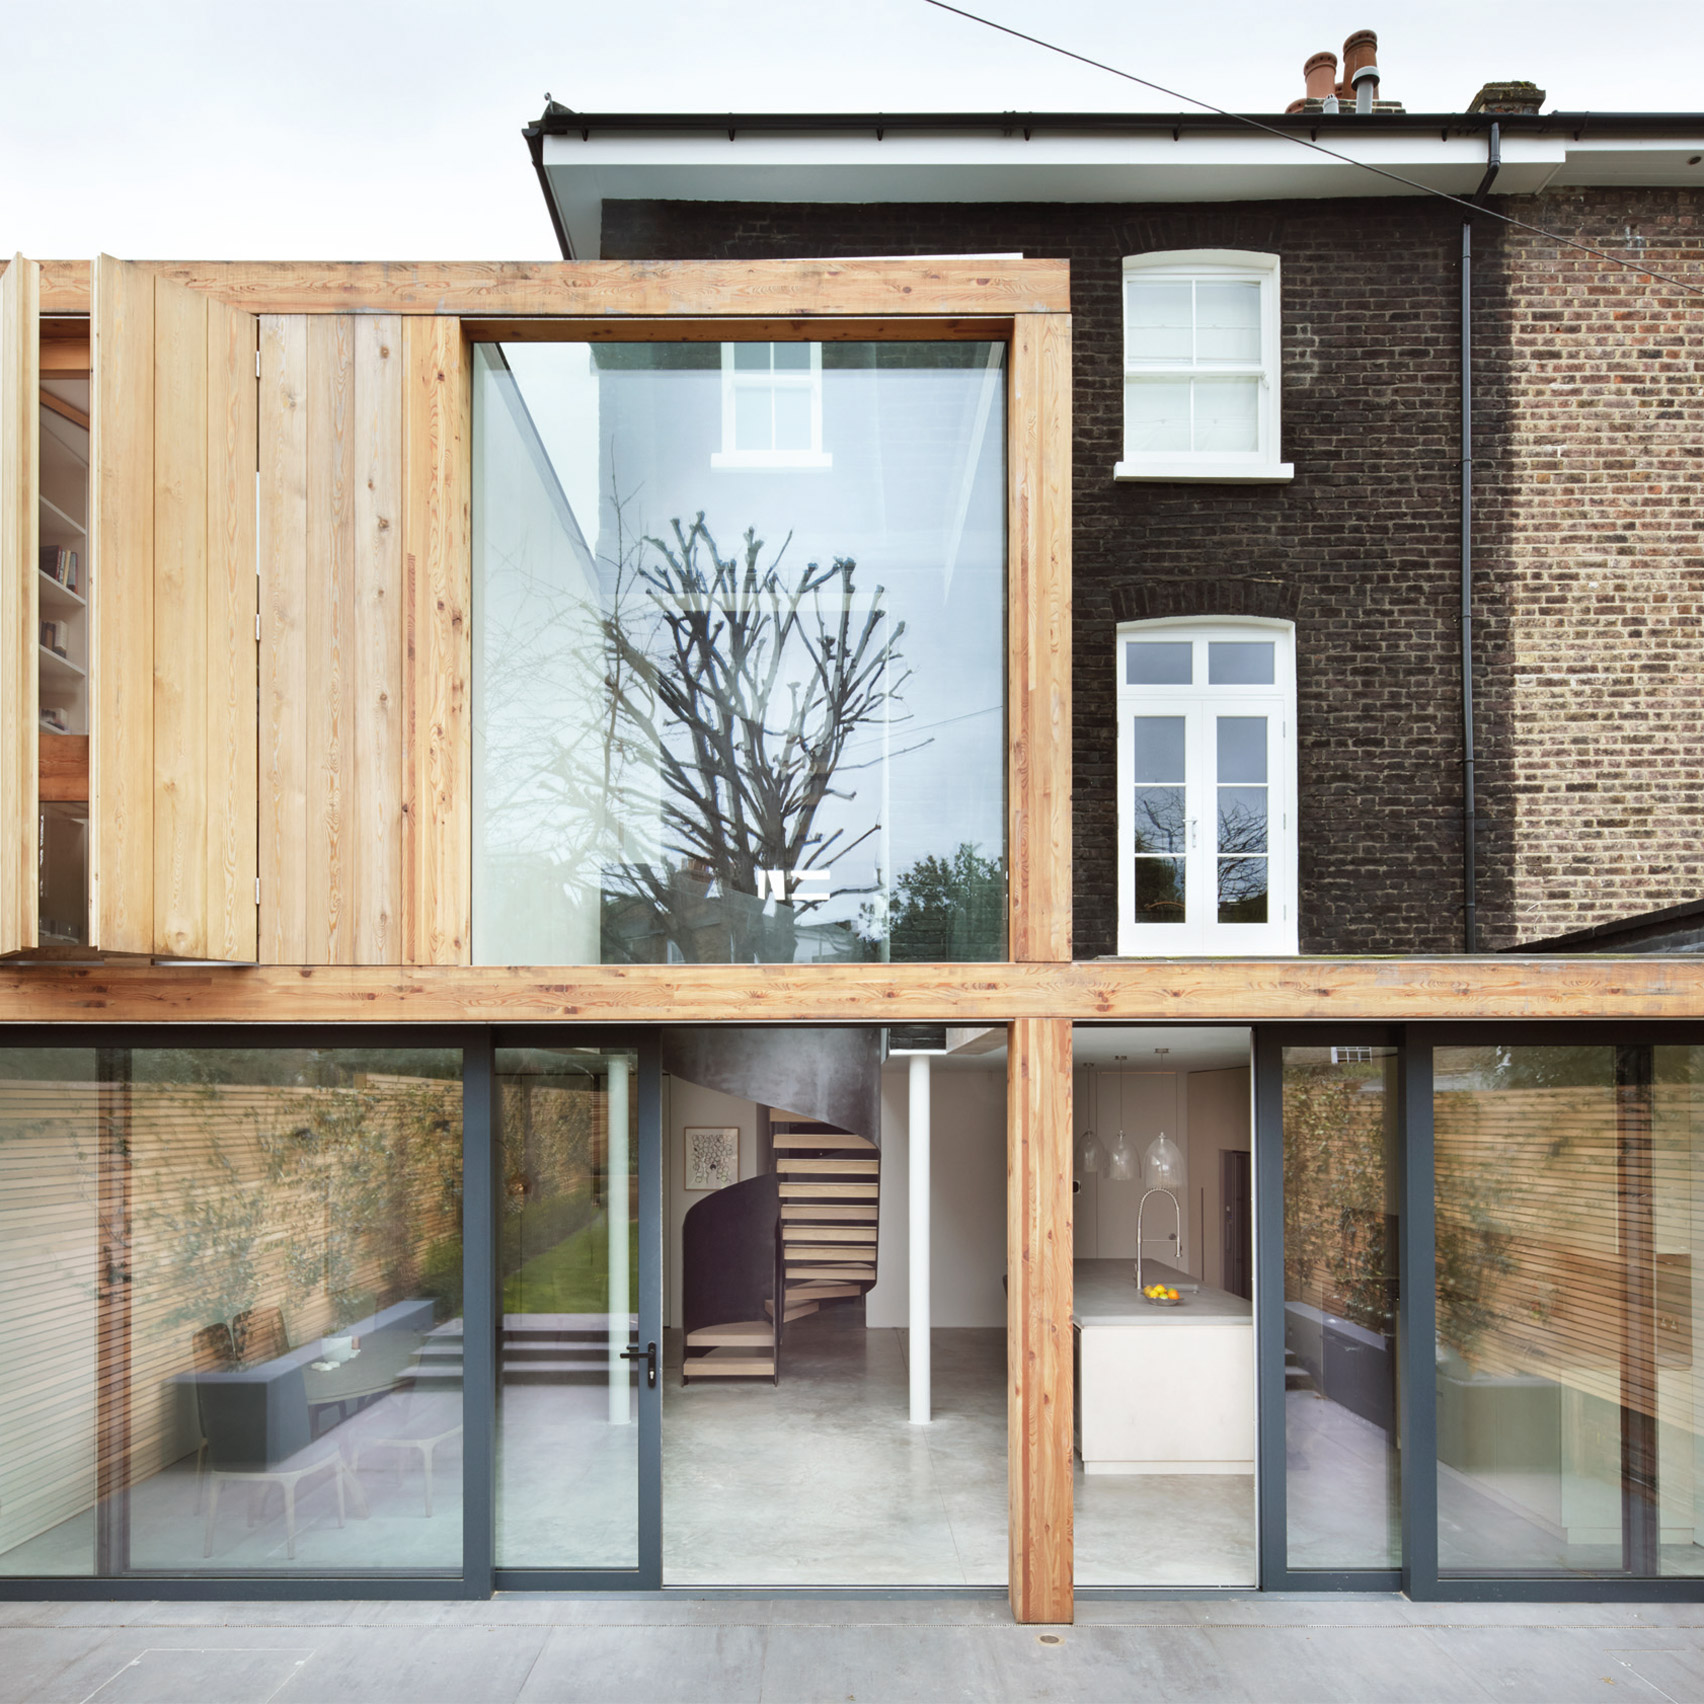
1593 452
1579 685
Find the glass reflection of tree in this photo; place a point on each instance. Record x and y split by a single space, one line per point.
1242 854
1158 842
743 681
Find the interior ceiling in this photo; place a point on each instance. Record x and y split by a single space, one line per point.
1100 1046
1187 1049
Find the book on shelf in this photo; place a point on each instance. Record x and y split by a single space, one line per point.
54 720
55 637
62 566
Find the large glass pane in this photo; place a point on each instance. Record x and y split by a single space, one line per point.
1570 1202
1159 320
1160 890
735 713
1241 748
230 1312
567 1415
1158 748
1342 1485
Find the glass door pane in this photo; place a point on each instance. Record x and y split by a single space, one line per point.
1159 843
1342 1481
569 1399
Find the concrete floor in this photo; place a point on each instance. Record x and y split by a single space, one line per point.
536 1650
823 1480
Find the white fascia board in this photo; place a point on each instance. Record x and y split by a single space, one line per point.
1054 167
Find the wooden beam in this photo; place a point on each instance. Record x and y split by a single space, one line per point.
755 288
64 766
732 329
1179 991
1038 1318
1038 670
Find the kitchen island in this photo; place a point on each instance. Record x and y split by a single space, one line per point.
1161 1390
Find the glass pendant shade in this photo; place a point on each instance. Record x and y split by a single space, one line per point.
1162 1165
1121 1164
1089 1152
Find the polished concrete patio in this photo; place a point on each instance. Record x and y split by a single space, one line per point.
534 1649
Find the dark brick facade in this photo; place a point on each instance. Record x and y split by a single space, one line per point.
1361 550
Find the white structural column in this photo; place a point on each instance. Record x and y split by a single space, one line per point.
619 1202
919 1139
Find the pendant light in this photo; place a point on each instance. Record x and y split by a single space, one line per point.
1090 1153
1162 1165
1121 1163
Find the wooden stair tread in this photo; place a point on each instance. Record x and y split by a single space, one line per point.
817 1291
729 1364
745 1333
817 1273
792 1232
864 1211
865 1256
786 1141
829 1168
829 1191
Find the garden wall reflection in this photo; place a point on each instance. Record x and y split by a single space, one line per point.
739 652
230 1299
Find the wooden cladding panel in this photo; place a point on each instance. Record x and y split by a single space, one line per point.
438 660
233 664
1038 671
755 288
180 629
1038 1318
332 646
20 465
62 769
122 580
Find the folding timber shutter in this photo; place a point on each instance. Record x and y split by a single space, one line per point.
173 759
20 425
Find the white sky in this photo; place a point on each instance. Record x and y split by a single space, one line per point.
383 129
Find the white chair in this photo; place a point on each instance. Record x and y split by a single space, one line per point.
415 1424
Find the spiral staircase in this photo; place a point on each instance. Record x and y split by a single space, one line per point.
801 1235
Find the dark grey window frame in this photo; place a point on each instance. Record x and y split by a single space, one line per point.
1419 1576
481 1157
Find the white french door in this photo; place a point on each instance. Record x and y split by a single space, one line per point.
1206 813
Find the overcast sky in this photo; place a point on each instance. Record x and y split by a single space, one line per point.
384 129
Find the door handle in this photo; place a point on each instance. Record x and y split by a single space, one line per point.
649 1356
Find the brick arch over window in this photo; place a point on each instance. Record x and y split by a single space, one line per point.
1206 596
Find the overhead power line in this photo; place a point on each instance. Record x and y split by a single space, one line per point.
1318 148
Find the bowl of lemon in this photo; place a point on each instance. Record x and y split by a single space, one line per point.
1161 1296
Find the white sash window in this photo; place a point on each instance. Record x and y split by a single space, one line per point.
1206 779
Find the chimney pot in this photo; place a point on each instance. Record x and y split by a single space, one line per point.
1320 73
1359 51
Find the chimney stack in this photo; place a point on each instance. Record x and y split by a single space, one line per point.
1360 68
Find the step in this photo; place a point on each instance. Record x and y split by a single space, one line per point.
837 1211
830 1191
795 1310
743 1334
728 1364
840 1233
818 1291
829 1274
827 1168
865 1256
787 1141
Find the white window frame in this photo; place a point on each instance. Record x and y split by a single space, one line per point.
735 380
1200 933
1244 467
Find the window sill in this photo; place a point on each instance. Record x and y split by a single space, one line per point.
1207 473
772 459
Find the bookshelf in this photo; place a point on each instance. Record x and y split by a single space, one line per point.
63 592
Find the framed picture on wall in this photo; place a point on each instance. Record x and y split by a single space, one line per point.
711 1156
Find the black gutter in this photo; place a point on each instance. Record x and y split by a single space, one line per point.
558 121
535 146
